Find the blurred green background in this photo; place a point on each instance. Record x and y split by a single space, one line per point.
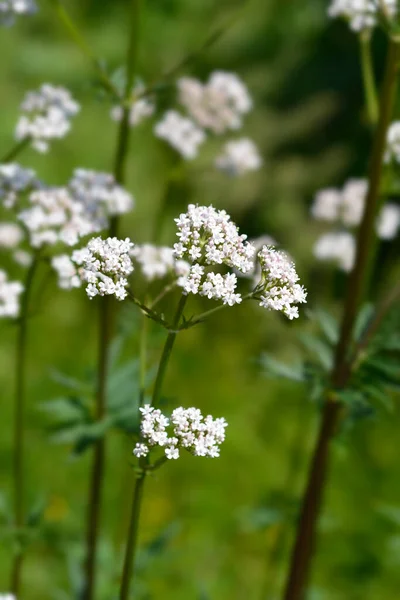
211 530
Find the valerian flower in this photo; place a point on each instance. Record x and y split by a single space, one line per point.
181 133
239 157
15 181
156 262
10 292
186 429
362 14
46 115
105 266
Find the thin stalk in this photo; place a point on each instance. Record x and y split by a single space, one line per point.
105 329
19 434
358 282
131 546
16 150
83 46
143 359
371 99
130 552
165 356
212 311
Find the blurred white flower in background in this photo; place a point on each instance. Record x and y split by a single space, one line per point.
389 221
67 272
157 262
46 115
9 10
140 109
181 133
15 180
362 14
239 157
346 205
10 292
392 151
218 105
10 235
338 247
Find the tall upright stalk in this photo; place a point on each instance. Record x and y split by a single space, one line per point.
105 324
359 279
131 545
19 434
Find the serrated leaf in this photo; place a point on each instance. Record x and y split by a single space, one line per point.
67 409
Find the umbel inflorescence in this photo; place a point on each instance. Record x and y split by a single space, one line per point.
186 429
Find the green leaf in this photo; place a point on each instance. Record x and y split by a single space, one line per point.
328 325
319 348
363 318
281 370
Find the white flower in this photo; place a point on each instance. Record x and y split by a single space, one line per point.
15 180
46 116
105 266
54 216
361 14
181 133
346 205
140 109
67 272
388 222
100 194
219 104
157 262
211 238
238 157
278 288
199 435
339 247
392 151
10 292
22 258
10 235
10 9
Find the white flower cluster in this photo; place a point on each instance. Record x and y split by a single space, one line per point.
392 152
15 180
278 288
238 157
68 277
219 104
157 262
362 14
337 246
209 237
181 133
10 292
47 115
100 194
105 265
10 9
10 235
346 205
54 216
199 435
140 109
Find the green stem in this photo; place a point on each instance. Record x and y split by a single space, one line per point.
131 546
105 332
165 356
371 99
303 549
19 437
16 150
143 359
212 311
83 46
